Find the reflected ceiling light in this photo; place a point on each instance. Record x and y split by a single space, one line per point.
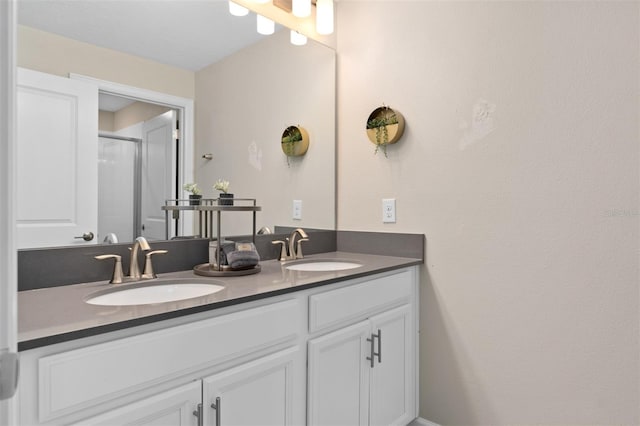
324 16
237 10
301 8
298 39
265 25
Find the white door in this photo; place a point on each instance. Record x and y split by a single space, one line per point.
158 148
8 277
392 377
57 174
172 408
338 379
260 392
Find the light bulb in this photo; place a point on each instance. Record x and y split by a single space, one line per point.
237 10
324 16
301 8
265 25
298 39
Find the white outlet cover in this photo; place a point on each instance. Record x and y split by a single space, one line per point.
388 210
297 210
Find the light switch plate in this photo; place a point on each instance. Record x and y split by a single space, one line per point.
297 209
388 210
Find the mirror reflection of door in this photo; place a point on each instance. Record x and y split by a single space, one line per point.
56 160
137 159
158 160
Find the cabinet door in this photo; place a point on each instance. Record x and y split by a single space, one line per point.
171 408
392 377
261 392
338 380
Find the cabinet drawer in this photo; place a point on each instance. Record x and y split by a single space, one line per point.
85 377
355 302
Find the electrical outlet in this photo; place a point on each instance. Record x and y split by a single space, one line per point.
297 209
388 210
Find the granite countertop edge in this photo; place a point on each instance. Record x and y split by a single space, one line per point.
59 314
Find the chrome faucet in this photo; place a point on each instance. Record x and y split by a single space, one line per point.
295 251
134 269
290 249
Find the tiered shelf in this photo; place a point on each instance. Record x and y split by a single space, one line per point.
205 210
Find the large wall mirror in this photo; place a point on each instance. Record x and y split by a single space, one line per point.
246 88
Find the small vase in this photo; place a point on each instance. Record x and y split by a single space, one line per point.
225 199
194 200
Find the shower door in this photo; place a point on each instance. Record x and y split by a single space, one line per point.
118 187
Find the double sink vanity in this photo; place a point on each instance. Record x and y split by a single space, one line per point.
328 339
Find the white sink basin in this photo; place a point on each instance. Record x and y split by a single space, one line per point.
157 291
322 265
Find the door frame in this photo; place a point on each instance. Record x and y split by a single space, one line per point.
185 108
8 253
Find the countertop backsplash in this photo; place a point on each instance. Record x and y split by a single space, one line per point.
52 267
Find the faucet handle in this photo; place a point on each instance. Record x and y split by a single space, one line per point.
298 254
116 276
148 265
283 249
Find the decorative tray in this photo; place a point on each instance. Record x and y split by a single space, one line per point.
205 269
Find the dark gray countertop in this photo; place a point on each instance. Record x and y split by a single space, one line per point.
57 314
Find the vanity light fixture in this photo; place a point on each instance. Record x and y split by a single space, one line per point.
236 10
297 38
301 8
324 16
265 25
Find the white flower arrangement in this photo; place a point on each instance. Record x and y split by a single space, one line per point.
192 188
221 185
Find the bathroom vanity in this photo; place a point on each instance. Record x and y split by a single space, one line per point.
283 347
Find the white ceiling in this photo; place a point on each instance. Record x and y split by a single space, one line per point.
189 34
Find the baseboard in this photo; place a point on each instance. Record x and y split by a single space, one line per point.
422 422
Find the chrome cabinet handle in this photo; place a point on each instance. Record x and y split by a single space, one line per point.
379 353
371 340
216 406
198 414
373 352
87 236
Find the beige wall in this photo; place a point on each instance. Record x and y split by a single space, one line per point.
244 104
520 165
106 120
53 54
134 113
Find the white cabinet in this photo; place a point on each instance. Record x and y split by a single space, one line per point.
259 392
341 354
172 408
67 386
393 373
256 393
339 377
365 373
